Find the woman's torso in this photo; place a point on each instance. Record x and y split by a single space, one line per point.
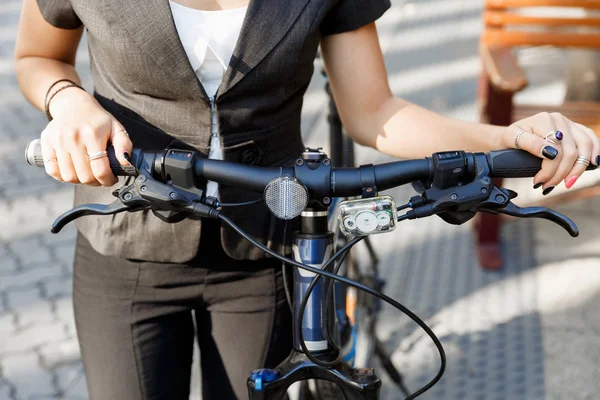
143 76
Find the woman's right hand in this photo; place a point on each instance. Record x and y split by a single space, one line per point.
80 128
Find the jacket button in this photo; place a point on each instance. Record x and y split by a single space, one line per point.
249 157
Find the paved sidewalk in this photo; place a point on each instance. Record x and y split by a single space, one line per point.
527 332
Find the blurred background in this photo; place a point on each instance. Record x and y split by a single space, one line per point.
529 330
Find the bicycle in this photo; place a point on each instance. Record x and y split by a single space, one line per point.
453 185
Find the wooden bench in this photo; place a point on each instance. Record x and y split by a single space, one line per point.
505 28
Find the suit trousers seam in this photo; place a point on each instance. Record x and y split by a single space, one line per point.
133 338
269 336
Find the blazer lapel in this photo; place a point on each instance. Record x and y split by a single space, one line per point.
265 24
150 24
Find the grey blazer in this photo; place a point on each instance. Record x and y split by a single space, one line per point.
143 77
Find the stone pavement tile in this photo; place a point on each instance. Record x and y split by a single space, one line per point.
7 324
72 383
56 354
5 392
8 263
65 237
31 277
63 311
25 373
58 288
28 214
59 201
29 307
65 253
31 338
30 252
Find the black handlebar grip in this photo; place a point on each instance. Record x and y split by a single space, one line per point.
33 155
513 164
516 164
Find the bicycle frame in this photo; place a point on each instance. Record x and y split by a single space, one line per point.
313 245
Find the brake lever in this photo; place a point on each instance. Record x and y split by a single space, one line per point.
538 212
88 209
168 202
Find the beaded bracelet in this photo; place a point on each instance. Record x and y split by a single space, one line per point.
52 87
49 99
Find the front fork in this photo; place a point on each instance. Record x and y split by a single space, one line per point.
272 384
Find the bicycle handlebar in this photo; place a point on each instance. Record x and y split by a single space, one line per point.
343 182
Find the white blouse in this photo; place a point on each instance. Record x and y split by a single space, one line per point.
209 38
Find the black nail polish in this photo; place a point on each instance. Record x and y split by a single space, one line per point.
547 191
538 185
598 161
549 152
126 155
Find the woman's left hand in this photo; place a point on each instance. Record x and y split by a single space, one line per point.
566 154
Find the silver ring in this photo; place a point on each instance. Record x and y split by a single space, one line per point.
582 160
97 155
522 131
554 136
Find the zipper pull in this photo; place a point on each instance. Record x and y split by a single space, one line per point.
213 117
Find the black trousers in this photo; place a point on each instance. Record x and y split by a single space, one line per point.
135 322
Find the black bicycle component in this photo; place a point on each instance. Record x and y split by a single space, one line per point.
458 204
354 383
313 169
368 180
511 164
171 202
450 169
513 210
87 209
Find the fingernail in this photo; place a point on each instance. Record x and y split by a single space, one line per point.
598 161
548 190
538 185
571 181
549 152
126 155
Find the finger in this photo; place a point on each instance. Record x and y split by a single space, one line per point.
571 140
585 148
49 157
595 159
121 143
536 145
65 165
82 167
100 166
95 144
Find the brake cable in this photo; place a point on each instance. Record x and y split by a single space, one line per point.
362 287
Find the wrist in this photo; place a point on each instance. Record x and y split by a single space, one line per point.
67 99
495 137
